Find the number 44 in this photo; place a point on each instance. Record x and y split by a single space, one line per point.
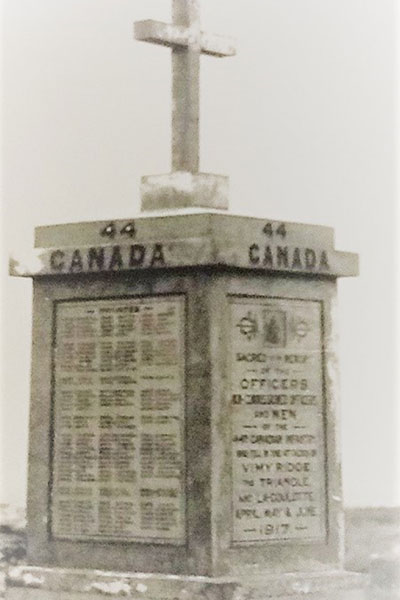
269 230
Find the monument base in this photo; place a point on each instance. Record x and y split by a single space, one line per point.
182 189
39 583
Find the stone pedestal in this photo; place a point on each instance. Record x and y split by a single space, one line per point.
36 583
184 409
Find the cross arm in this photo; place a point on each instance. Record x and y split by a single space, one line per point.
172 36
217 45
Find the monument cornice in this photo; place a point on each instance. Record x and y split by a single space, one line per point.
208 239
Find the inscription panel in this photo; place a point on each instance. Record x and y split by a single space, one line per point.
278 426
118 402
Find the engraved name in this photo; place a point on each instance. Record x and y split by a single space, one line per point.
108 258
285 257
118 452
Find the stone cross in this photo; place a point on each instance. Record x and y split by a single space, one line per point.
187 42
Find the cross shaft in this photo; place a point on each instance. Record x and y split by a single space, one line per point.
187 42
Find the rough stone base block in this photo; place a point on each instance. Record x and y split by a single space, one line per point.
37 583
182 189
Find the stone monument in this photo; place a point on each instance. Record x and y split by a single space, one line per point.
183 430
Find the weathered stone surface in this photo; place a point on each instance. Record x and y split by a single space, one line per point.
31 583
209 548
231 272
368 531
166 34
208 239
119 421
182 189
277 420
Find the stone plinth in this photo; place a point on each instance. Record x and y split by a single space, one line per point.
184 398
35 583
182 189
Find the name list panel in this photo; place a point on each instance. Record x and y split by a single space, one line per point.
278 431
119 395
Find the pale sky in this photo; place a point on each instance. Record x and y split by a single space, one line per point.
303 122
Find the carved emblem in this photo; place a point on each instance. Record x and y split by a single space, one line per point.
274 328
248 326
302 329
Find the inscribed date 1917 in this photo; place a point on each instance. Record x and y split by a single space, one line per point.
277 412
